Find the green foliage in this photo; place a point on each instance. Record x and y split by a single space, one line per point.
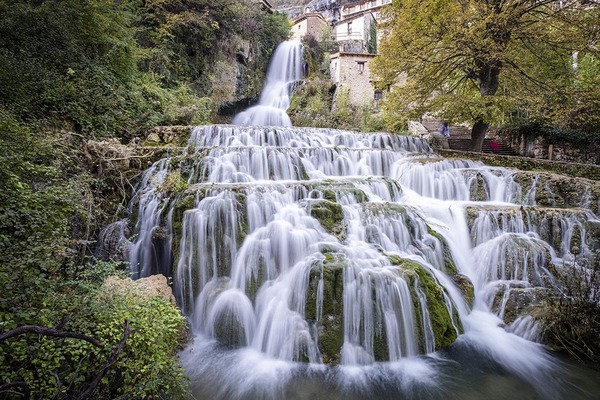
36 208
76 64
372 40
221 48
177 105
480 61
67 60
145 368
554 133
173 183
44 210
312 105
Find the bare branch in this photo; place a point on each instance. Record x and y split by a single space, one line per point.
114 354
6 388
40 330
58 385
129 157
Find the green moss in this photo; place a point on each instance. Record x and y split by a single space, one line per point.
331 325
441 320
180 205
466 287
330 215
172 184
450 267
381 350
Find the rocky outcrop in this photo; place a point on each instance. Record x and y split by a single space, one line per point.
326 312
553 190
518 299
177 135
565 229
152 286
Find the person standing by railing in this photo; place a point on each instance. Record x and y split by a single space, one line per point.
445 129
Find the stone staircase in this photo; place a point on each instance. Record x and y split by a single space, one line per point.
456 131
465 144
460 138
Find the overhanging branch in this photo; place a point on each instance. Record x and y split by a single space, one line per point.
40 330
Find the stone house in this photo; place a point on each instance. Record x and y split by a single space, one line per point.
356 34
351 72
310 24
357 26
353 27
357 37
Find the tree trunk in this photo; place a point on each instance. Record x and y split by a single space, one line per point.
487 77
478 134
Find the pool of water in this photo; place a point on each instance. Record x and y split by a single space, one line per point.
461 372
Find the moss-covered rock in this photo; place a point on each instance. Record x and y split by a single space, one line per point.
592 234
553 225
330 325
330 215
552 190
479 189
517 300
449 267
441 321
466 287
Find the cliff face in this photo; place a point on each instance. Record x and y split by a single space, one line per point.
220 49
292 8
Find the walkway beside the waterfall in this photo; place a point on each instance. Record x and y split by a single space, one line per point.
460 138
504 156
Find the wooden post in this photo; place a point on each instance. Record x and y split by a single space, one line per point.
550 150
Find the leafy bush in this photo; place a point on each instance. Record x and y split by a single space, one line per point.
65 368
313 105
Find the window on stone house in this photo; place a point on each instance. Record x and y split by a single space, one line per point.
378 95
349 28
360 65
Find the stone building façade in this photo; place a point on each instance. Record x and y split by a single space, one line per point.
353 27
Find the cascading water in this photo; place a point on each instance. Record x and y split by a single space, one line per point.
298 249
284 74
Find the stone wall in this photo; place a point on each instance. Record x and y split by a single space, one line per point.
540 148
312 24
587 171
352 71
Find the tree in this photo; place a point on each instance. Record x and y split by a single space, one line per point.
478 61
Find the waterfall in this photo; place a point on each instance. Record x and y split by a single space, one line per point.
296 249
303 246
285 71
